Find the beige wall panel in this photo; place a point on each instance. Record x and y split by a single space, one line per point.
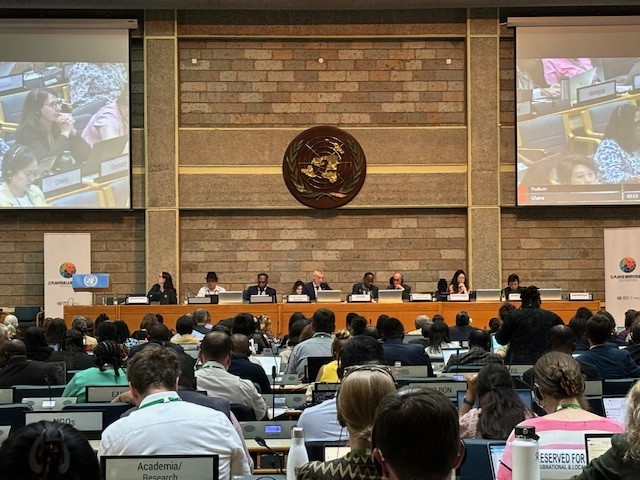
160 123
267 147
507 189
323 23
159 23
507 145
483 21
485 253
162 244
259 191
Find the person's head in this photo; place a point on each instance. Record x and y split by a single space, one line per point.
442 285
598 329
295 331
505 310
153 369
421 321
244 323
557 377
201 317
42 108
579 326
623 127
73 341
462 319
339 341
561 338
35 337
362 389
480 339
212 280
438 335
263 279
80 324
392 328
159 332
11 321
358 325
501 407
107 331
108 353
20 169
148 320
416 435
494 324
323 320
184 325
240 344
48 450
4 333
216 347
513 281
122 331
295 317
297 287
165 280
349 318
584 312
360 350
635 333
632 421
576 170
372 332
318 277
380 322
530 297
397 279
368 279
630 317
460 277
11 348
55 331
100 319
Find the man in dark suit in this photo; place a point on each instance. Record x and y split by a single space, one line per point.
16 369
316 284
392 333
396 282
261 288
366 286
242 367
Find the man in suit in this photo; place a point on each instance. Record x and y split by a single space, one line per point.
261 288
242 367
397 282
16 369
610 361
395 350
366 286
316 284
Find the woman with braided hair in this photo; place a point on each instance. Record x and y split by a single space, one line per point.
108 371
559 388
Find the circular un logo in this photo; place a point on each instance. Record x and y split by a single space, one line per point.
90 281
627 264
67 269
324 167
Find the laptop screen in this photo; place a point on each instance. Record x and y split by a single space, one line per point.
495 455
179 467
524 394
596 444
267 362
447 352
615 408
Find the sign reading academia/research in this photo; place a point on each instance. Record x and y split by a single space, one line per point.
64 255
621 271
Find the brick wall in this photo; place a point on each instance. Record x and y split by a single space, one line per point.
373 82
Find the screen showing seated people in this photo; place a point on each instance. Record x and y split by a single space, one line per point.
577 96
64 115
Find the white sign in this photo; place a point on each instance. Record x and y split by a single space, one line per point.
621 271
156 467
82 421
64 255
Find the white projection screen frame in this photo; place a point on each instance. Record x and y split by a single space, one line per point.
572 76
64 102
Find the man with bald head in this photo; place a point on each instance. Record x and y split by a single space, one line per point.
396 282
16 369
216 351
318 283
242 367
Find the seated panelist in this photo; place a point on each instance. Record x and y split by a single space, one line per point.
459 283
163 291
396 282
261 288
316 284
366 286
513 285
212 287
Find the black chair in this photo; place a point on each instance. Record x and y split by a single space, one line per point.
243 413
476 464
13 414
27 316
618 386
112 411
30 391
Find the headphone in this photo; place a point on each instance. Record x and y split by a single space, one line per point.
7 163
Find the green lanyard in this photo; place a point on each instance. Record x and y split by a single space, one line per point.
160 400
564 406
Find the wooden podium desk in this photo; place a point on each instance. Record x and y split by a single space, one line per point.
406 312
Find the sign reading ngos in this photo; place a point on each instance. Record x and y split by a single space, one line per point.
160 467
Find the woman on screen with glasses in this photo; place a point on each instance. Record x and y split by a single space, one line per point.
618 155
46 128
19 171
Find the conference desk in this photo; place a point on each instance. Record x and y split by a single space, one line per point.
279 313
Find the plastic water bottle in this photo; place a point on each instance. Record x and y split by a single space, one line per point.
297 455
525 454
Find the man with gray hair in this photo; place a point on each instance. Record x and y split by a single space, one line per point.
419 322
202 323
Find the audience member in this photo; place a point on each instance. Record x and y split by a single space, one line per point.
184 329
215 355
416 436
634 348
243 368
420 321
617 155
463 328
4 333
295 330
559 388
494 324
439 337
329 373
54 333
323 323
145 324
479 352
158 334
630 317
163 425
609 360
202 323
36 343
80 323
17 369
358 325
246 324
47 450
73 353
579 326
11 321
423 341
395 351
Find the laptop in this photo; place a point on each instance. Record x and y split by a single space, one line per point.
494 343
267 362
550 294
105 150
230 298
580 80
488 295
390 296
329 296
495 455
447 352
323 391
596 444
615 408
525 395
193 467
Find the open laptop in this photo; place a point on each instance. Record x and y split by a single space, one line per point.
329 296
615 407
447 352
495 455
550 294
488 295
105 150
580 80
230 298
193 467
596 444
390 296
267 362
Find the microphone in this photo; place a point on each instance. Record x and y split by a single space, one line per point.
50 403
260 441
274 374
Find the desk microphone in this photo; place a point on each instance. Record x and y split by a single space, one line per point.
50 403
260 441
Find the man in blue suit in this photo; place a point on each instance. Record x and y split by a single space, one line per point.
261 288
610 361
395 350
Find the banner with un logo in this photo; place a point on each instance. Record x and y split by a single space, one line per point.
621 271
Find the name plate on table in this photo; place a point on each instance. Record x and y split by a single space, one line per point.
594 92
411 371
421 297
103 393
298 299
147 467
448 389
360 297
137 300
83 421
116 165
90 280
61 180
580 296
458 297
513 297
198 300
261 299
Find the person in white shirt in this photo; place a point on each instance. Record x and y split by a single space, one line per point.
212 287
215 354
164 424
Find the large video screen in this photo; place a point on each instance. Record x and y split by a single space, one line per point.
64 117
577 111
